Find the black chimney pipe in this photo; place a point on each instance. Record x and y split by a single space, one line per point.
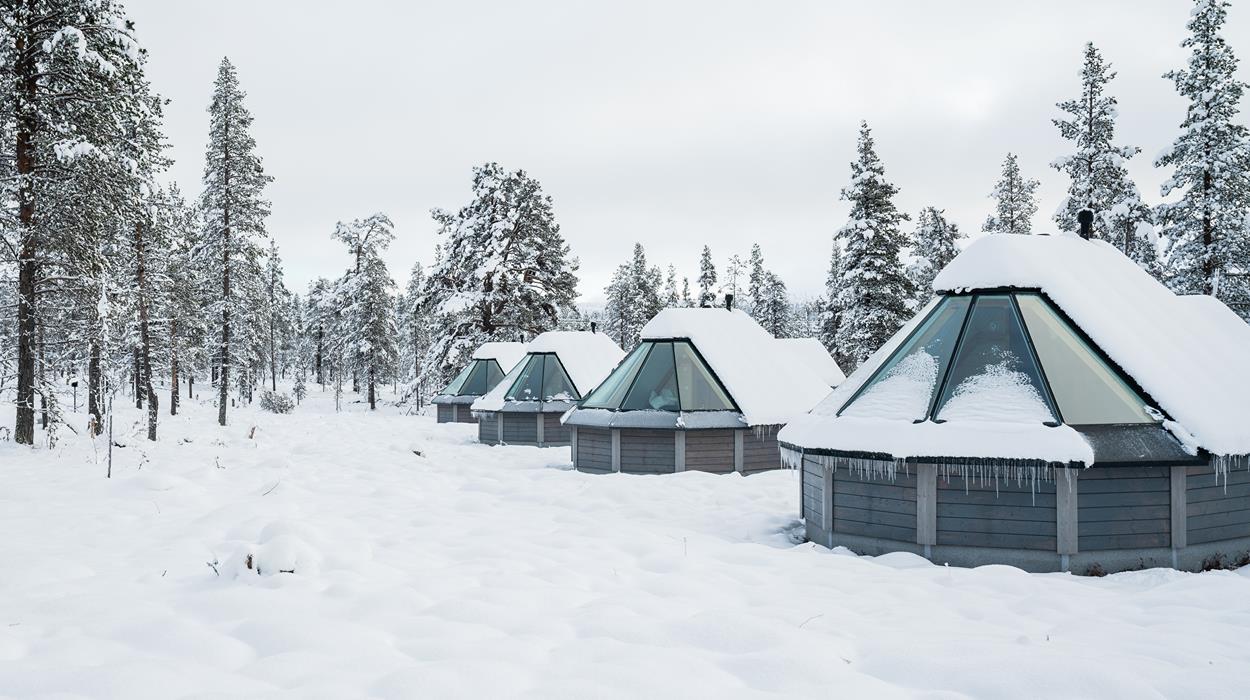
1085 218
729 302
593 326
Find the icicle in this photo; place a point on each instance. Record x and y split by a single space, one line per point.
1221 464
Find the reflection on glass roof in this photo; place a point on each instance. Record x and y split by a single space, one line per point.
998 358
661 376
542 379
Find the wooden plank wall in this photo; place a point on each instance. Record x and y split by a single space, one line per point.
813 491
760 453
487 429
445 414
649 452
708 450
875 508
1124 508
1215 512
554 432
519 428
1002 514
594 450
464 414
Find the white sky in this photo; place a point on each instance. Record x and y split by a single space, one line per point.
674 124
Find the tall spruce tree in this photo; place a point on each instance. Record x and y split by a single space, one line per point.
672 298
234 210
831 311
935 243
1098 179
707 278
875 288
276 311
1015 201
773 310
757 278
1206 229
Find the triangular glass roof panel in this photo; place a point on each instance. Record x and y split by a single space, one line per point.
453 389
1086 389
994 376
556 383
611 392
903 387
662 375
698 388
655 388
529 383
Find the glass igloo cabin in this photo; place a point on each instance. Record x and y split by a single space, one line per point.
1054 408
558 369
705 390
485 370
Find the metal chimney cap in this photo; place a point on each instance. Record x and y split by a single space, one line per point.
1085 218
729 302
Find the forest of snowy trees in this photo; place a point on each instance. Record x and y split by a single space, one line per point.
145 290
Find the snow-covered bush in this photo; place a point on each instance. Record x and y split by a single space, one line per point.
274 402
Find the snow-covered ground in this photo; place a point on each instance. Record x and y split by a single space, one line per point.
483 572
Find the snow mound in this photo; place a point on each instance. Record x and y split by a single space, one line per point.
282 548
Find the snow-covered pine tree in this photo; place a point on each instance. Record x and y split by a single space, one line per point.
62 63
831 312
1014 201
1098 179
672 299
707 278
734 270
633 298
757 277
234 210
414 329
183 297
686 300
277 304
617 315
372 334
503 270
1206 229
773 310
935 243
875 288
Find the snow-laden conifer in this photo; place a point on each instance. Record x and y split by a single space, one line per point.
875 289
1206 229
935 243
1015 201
234 211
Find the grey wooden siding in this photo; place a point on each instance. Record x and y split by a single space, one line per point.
594 450
648 452
520 428
444 413
760 453
975 514
875 508
813 492
1216 512
554 432
1124 508
464 414
707 450
487 430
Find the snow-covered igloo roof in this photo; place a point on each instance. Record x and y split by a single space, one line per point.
583 357
1070 302
711 349
813 352
506 354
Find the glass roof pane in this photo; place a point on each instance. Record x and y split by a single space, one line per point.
494 374
993 376
903 388
611 392
1087 390
475 384
453 389
699 390
529 384
656 386
556 383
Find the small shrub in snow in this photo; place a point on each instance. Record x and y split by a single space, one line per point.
274 402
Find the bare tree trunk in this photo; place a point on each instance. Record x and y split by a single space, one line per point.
321 377
373 404
137 374
143 352
43 379
173 367
95 393
27 78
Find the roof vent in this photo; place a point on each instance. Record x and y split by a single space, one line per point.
1085 218
729 302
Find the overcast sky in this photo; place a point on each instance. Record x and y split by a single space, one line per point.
673 124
